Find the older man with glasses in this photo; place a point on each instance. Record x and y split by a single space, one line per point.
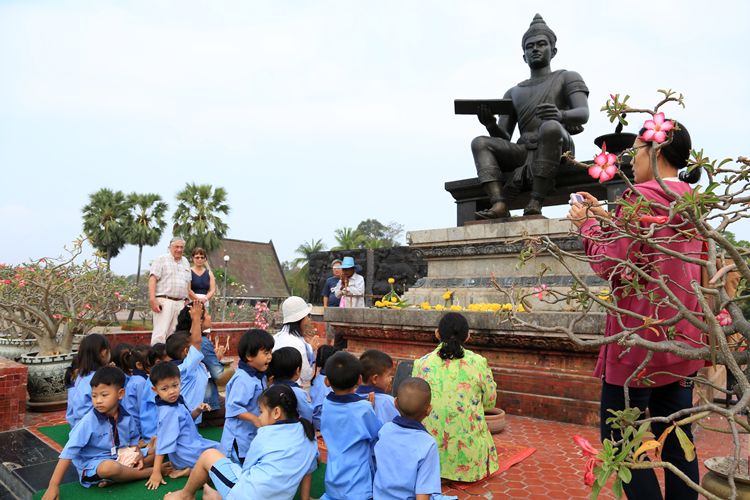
168 288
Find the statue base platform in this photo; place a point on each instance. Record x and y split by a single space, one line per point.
463 259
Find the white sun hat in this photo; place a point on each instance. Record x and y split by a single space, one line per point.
294 309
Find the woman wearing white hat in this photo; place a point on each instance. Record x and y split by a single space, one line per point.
296 317
351 287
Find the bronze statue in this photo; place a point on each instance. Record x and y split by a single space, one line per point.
549 107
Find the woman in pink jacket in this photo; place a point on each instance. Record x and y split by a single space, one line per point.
660 386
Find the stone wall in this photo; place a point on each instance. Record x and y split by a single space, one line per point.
403 264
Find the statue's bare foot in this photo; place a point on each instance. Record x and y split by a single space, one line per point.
210 493
533 208
180 473
498 210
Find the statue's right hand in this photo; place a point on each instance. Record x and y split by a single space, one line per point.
486 118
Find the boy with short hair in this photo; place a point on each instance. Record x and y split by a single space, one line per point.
184 348
349 427
406 454
242 392
285 367
100 441
319 388
377 373
176 433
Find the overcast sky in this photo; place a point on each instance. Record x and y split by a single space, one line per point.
316 115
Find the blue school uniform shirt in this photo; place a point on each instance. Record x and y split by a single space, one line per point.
277 460
304 406
408 461
93 438
79 399
148 415
177 434
133 394
318 392
350 428
385 407
193 380
243 391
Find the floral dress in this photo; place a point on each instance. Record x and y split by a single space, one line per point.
461 390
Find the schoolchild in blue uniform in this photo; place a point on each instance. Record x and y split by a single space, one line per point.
406 454
184 349
134 362
285 367
148 414
93 353
176 433
319 389
98 444
243 390
350 428
377 374
280 460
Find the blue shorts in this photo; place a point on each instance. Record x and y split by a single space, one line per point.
224 474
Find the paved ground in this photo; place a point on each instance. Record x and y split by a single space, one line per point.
555 471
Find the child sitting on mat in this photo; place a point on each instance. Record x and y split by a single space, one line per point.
285 367
243 390
176 433
377 374
406 454
103 444
281 458
318 387
93 353
350 428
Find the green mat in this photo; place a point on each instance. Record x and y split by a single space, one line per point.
137 490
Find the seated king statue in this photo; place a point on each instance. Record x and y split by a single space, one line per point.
549 107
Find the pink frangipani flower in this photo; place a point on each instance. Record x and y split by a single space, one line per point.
604 167
657 128
539 291
724 318
586 448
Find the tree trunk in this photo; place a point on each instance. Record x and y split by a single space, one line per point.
137 280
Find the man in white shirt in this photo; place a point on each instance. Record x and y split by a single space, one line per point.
351 288
168 286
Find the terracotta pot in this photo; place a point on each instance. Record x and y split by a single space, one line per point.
716 480
46 384
495 419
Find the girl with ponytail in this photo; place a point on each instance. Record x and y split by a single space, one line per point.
281 458
462 388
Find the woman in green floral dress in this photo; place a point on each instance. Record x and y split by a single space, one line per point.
462 388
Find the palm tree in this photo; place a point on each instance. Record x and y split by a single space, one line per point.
349 239
106 219
147 211
306 249
197 216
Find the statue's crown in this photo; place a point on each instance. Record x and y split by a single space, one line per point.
539 27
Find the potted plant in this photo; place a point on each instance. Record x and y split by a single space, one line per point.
52 301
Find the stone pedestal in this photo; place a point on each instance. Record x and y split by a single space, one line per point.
538 374
462 259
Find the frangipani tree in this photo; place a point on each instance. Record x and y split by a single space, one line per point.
704 214
52 300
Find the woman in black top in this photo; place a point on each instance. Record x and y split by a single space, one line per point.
203 284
